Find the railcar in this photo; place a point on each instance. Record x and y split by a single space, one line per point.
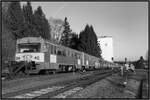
50 57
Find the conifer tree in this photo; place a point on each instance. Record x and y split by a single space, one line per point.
41 24
65 39
28 16
88 42
73 41
16 19
83 39
97 50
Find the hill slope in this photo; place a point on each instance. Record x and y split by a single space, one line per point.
8 43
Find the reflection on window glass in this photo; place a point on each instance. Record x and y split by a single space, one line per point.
64 53
58 52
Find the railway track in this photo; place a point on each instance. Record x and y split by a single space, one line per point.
22 79
76 86
62 89
20 76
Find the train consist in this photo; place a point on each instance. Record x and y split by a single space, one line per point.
49 57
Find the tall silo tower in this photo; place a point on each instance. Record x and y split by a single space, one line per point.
106 45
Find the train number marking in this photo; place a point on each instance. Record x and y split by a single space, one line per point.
37 57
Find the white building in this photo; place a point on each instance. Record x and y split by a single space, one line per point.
106 45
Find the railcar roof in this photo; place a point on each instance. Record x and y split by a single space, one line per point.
30 40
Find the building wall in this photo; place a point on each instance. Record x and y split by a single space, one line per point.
106 45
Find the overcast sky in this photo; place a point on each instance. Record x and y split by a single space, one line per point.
126 22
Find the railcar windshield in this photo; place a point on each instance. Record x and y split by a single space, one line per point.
26 47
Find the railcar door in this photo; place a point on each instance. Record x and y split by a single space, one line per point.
53 57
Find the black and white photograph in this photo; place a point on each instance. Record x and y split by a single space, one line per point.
74 50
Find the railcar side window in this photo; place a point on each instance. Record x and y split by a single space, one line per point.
78 56
28 47
64 53
59 52
54 49
72 54
68 53
75 55
47 46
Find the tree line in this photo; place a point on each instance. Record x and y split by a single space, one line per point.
24 22
86 41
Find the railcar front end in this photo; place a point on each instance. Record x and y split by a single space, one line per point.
31 49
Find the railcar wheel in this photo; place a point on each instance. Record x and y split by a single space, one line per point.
74 69
54 72
83 69
66 68
46 72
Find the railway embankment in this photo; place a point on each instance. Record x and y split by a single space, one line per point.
112 87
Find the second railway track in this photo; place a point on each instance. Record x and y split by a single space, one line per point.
76 85
61 89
